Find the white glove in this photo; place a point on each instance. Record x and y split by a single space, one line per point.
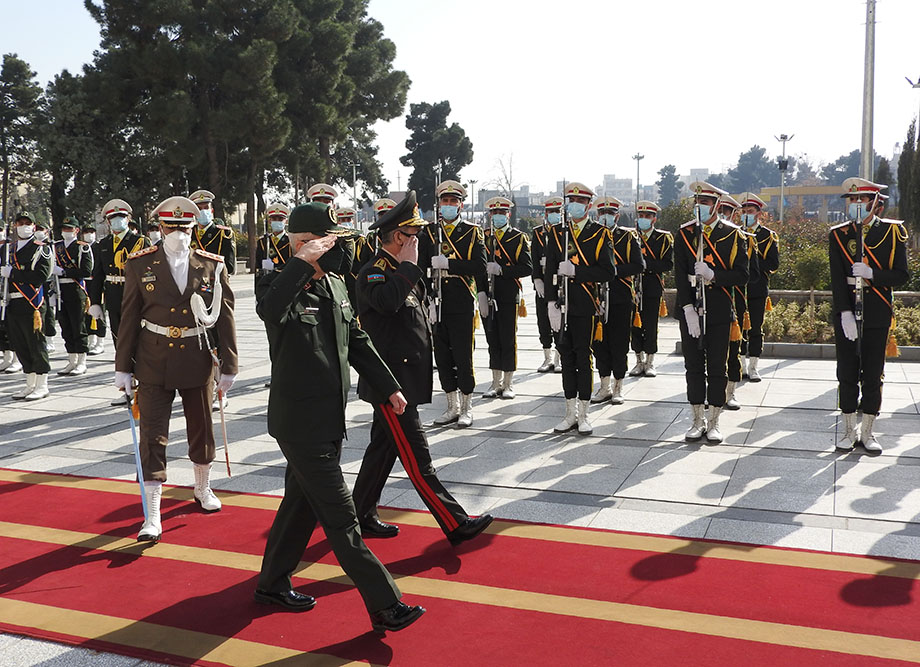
703 270
539 287
56 270
543 262
268 265
6 270
432 312
693 321
439 262
483 304
862 270
95 311
224 382
848 322
494 269
555 316
122 380
566 268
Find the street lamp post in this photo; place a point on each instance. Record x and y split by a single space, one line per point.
783 165
915 86
472 197
867 162
637 157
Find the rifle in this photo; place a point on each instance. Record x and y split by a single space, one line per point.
437 274
860 287
564 306
700 285
493 306
57 280
6 281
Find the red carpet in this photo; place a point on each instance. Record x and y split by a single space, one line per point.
524 594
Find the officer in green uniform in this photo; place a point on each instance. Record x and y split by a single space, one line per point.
657 251
864 272
710 258
314 337
72 266
552 215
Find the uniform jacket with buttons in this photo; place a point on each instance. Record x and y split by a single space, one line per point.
767 262
593 260
658 253
512 253
275 248
538 251
466 255
627 257
111 260
76 260
217 239
31 268
151 294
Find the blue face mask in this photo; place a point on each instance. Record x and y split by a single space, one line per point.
499 220
576 210
749 219
608 219
554 218
118 224
858 211
702 212
277 226
205 216
449 212
644 224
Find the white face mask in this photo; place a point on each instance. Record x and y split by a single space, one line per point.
25 231
205 216
177 242
118 223
89 237
69 237
41 235
153 235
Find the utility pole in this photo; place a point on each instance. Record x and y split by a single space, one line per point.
637 157
866 162
354 190
783 164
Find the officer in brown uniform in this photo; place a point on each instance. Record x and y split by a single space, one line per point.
173 298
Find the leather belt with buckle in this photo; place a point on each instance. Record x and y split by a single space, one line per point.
172 331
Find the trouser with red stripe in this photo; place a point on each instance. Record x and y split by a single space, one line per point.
395 435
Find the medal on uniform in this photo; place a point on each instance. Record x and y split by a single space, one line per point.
445 249
206 285
148 277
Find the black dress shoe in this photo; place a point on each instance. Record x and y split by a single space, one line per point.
288 599
469 529
396 617
377 528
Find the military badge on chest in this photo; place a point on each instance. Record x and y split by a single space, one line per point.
446 249
206 286
148 280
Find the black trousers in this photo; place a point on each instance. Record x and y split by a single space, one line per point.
706 369
402 435
453 352
752 343
866 373
113 295
315 492
611 351
501 336
645 338
547 338
25 341
734 360
72 318
575 353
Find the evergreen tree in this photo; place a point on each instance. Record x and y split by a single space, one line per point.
669 185
753 171
907 202
19 104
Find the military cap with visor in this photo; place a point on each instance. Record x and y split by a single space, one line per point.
576 189
116 207
404 214
645 206
176 212
607 204
202 197
450 188
315 218
499 204
322 190
861 186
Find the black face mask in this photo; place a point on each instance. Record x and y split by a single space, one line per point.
336 259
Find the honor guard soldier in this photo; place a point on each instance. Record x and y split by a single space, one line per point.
578 259
9 363
95 328
173 298
758 289
618 303
52 295
658 252
323 193
552 215
453 250
209 234
346 219
274 248
391 306
72 266
710 258
25 270
366 248
154 235
868 259
500 298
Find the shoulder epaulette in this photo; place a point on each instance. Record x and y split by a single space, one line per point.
381 263
146 251
842 224
223 227
689 223
892 221
209 255
730 224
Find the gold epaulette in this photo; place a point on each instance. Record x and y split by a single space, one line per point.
209 255
146 251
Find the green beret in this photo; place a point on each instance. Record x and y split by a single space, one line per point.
315 217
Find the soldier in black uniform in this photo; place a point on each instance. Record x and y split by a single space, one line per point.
210 235
72 266
315 337
350 268
95 329
863 275
453 254
274 247
52 298
552 215
391 298
9 363
618 303
710 257
585 262
500 296
758 289
657 250
367 246
26 273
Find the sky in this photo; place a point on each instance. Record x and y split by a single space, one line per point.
574 90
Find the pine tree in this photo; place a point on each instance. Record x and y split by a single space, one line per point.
906 200
19 100
669 185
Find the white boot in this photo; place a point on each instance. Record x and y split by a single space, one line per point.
80 368
617 392
7 360
495 390
215 404
203 494
752 369
571 417
96 344
91 343
730 402
507 386
713 434
557 362
71 364
603 392
31 379
867 437
547 362
41 388
744 368
850 433
698 429
650 371
49 345
466 411
152 528
639 368
584 426
14 367
453 410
